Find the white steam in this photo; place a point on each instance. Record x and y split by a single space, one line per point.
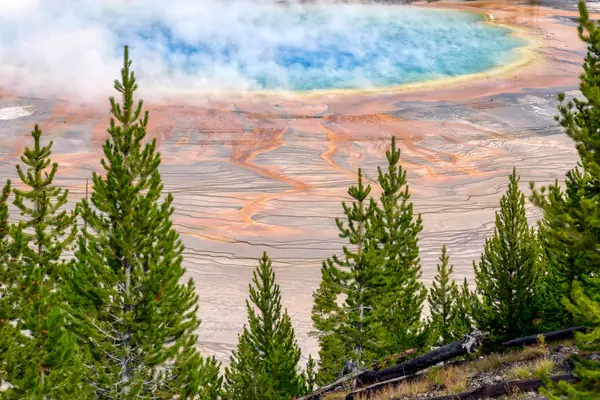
73 48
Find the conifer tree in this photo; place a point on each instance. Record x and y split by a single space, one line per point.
41 357
378 276
586 310
5 236
401 295
4 224
508 274
310 374
328 317
552 313
139 318
570 230
465 303
5 327
346 332
265 363
442 303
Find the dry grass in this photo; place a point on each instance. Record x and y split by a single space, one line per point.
416 386
515 395
488 363
520 372
335 396
531 352
537 368
494 361
454 379
564 343
543 367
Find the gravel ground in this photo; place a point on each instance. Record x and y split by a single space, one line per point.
560 355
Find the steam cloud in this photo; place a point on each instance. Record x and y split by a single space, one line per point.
73 48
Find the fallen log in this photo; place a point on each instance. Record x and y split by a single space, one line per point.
459 348
348 381
378 380
500 389
367 376
550 336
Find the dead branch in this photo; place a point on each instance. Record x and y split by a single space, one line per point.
469 344
369 376
550 336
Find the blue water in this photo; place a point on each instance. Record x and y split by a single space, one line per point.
332 47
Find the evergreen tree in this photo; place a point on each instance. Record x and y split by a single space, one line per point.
400 294
378 277
4 224
139 318
265 363
571 227
5 236
327 317
465 303
5 327
586 310
40 353
310 374
442 303
508 273
347 334
570 230
551 310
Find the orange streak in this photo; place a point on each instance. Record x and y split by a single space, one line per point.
265 140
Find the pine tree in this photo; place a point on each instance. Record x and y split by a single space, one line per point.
328 317
442 303
570 230
551 310
310 374
571 225
586 310
508 274
465 303
378 276
346 332
41 358
4 224
5 244
400 294
5 235
265 363
125 283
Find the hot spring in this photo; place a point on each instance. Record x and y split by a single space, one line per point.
241 46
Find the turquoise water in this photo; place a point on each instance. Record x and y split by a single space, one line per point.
331 47
223 46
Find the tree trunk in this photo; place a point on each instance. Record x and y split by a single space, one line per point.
125 368
550 336
358 348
